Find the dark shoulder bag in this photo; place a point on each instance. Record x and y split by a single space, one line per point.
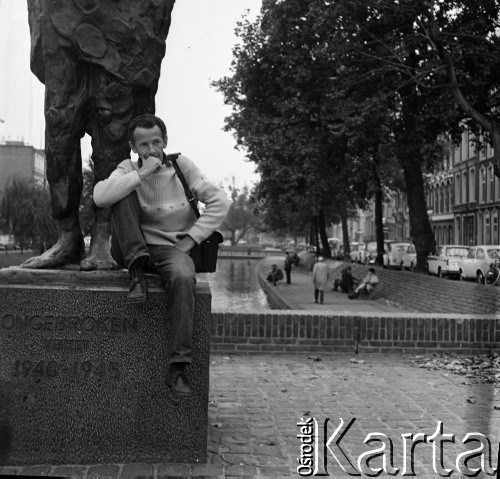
204 255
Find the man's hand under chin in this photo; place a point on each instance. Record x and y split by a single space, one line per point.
149 166
185 244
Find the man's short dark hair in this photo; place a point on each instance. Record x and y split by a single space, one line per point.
371 270
146 121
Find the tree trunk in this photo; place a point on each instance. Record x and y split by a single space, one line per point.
316 235
311 233
379 223
322 234
345 236
420 226
410 157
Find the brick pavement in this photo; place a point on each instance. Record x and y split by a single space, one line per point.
256 401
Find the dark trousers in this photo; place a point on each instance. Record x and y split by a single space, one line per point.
288 273
175 267
320 293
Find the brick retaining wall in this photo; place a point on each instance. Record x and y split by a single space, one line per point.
429 294
315 332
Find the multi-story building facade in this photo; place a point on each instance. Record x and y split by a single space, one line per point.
462 196
476 193
440 198
17 158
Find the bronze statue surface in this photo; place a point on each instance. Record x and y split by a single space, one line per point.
100 62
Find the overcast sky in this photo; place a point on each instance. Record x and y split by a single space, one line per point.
199 50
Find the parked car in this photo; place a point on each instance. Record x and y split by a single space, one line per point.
393 255
409 258
445 263
370 251
356 254
478 261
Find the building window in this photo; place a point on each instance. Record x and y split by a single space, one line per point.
495 239
472 185
489 151
482 185
487 231
457 189
491 184
464 187
482 149
465 146
472 146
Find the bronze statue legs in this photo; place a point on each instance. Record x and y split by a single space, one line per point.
80 98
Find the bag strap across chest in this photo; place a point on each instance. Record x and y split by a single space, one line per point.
192 200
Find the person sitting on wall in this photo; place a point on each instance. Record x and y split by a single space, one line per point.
346 282
367 285
275 274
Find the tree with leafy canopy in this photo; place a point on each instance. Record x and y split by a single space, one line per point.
26 209
242 216
465 36
284 114
382 45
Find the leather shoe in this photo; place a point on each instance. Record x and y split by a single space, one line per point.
138 291
177 382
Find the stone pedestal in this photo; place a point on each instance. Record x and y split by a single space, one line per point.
82 373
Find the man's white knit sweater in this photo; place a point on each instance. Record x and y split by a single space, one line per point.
166 215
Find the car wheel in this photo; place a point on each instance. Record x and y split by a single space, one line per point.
480 277
461 275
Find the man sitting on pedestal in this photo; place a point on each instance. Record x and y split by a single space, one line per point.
153 228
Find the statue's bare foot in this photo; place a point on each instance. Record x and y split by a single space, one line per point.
99 256
98 261
68 249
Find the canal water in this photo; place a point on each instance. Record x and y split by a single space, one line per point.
235 285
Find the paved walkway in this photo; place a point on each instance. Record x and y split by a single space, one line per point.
301 292
256 402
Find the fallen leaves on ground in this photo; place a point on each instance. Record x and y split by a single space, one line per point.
480 367
358 361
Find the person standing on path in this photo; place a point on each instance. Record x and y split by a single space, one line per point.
319 279
288 267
